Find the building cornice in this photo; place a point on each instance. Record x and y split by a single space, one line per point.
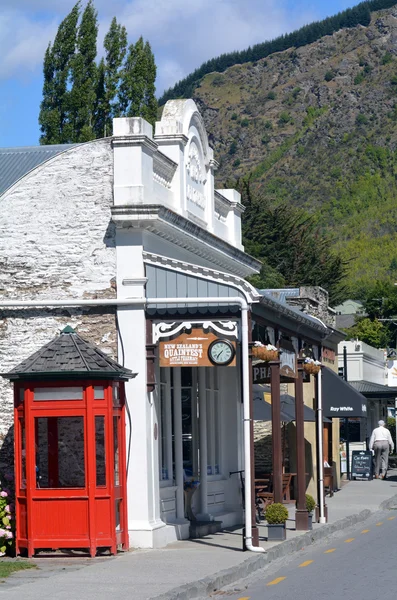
168 225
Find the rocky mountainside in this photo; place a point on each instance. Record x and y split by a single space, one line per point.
317 127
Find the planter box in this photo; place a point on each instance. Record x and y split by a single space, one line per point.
310 521
276 533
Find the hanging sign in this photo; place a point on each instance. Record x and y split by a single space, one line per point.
288 364
261 374
197 349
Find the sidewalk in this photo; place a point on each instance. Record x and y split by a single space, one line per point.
189 569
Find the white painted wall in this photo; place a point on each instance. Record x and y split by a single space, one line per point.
364 363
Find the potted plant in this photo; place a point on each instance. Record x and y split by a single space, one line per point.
265 352
311 366
276 515
310 506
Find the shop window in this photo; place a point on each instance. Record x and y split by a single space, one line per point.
100 450
166 426
60 452
213 421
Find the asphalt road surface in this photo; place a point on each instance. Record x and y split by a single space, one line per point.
357 564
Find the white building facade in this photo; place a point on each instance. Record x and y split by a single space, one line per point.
127 240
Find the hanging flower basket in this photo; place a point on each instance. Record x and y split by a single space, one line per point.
264 352
311 366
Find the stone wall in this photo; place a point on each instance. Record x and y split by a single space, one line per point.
314 301
56 242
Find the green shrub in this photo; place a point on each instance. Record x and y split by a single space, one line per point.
361 119
271 96
359 78
276 514
6 518
218 80
245 123
329 75
268 125
284 118
310 503
233 148
393 80
387 58
234 117
237 162
265 139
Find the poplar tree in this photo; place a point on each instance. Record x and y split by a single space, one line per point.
116 47
57 71
84 73
137 86
80 98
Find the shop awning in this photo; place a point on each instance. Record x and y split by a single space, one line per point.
340 399
263 409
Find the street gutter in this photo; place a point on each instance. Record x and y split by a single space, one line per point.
202 588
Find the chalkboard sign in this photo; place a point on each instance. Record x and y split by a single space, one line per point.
361 464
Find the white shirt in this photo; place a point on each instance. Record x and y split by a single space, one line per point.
381 434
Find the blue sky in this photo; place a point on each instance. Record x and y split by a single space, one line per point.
183 34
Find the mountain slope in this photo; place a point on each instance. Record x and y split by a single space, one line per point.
317 126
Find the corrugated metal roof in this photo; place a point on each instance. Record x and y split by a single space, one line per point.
375 390
17 162
269 297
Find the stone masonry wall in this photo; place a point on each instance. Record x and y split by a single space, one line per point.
56 242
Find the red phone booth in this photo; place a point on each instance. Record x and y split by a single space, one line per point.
70 454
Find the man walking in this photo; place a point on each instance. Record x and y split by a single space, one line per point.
380 442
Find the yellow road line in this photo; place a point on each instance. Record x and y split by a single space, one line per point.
330 550
306 563
276 581
390 518
379 524
349 540
365 531
245 598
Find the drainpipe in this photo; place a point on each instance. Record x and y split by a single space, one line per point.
244 305
320 459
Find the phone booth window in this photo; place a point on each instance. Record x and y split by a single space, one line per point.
60 459
100 451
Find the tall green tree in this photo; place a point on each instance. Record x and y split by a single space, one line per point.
101 108
291 246
115 44
80 98
137 86
57 77
80 127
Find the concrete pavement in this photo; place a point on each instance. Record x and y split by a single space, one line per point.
194 568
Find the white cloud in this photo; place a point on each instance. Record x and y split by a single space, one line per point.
183 33
23 43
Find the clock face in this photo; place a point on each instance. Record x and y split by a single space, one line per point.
221 352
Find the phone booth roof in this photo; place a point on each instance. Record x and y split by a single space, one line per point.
68 356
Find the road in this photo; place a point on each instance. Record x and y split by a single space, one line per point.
357 563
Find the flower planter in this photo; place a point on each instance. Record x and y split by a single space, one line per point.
311 368
310 521
276 532
264 354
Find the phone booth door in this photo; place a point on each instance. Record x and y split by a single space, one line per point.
119 464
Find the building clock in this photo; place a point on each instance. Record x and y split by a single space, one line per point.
221 352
